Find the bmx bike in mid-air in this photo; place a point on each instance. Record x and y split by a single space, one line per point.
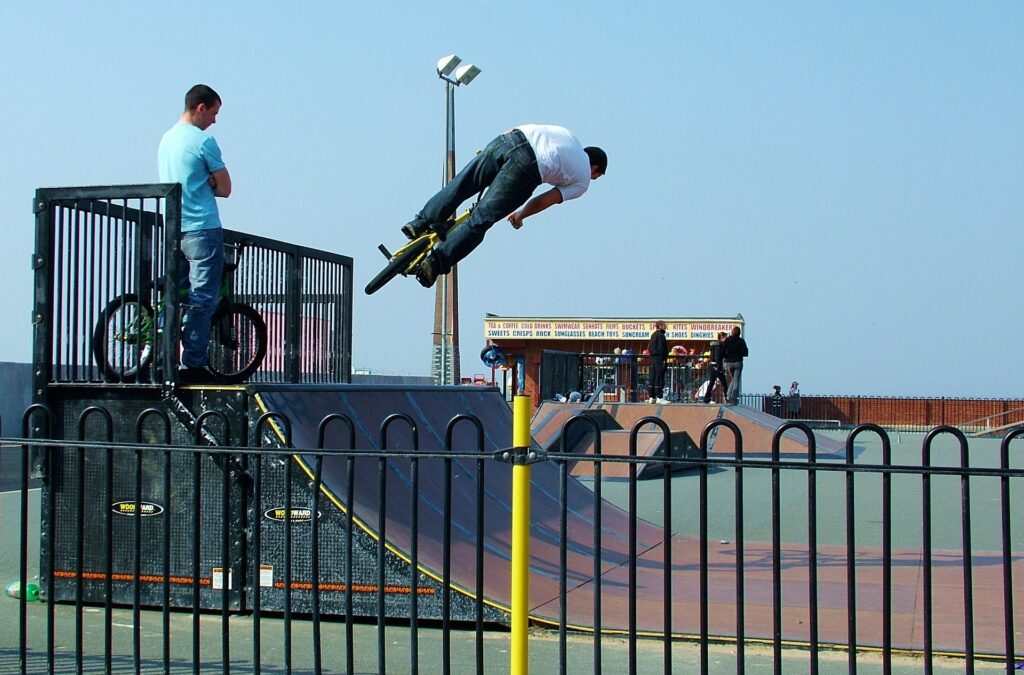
405 260
130 332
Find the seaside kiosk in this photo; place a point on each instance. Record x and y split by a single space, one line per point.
547 357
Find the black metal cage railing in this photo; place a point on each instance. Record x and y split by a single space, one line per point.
624 376
105 250
305 297
559 373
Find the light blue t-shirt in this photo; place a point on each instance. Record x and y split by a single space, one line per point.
188 155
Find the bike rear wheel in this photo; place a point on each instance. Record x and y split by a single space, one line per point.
398 264
123 342
238 342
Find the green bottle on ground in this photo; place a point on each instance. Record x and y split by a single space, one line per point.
31 591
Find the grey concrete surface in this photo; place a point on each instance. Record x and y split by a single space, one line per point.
543 644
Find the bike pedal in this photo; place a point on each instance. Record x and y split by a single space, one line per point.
384 250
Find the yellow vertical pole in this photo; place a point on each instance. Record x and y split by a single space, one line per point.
520 536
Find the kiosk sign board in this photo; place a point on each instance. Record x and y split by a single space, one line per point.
501 328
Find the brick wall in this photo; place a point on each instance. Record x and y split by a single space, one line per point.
925 412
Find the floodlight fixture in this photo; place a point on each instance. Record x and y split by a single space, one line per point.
465 74
446 64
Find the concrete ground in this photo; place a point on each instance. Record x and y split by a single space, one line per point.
543 644
906 493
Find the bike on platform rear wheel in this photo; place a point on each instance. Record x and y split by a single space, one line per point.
124 340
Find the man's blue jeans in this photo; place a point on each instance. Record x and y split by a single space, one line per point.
735 372
508 166
204 250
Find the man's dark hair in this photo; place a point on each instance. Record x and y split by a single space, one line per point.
597 158
201 93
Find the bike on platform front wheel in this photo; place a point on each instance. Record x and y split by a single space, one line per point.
402 262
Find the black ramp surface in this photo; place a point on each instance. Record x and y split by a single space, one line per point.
431 409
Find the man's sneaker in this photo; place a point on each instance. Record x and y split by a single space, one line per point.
414 228
441 229
662 401
417 228
426 273
197 375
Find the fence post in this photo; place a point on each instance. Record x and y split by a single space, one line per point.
520 536
42 312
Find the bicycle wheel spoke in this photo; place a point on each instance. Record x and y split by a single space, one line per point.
238 342
123 339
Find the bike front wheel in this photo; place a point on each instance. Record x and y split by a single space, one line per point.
123 342
238 342
399 263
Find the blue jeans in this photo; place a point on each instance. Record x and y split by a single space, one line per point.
734 370
204 250
508 166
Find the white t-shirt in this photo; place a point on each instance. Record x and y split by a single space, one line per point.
560 158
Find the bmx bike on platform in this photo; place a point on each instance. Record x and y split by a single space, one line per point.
130 332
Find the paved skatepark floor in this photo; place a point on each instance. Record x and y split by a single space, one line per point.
543 643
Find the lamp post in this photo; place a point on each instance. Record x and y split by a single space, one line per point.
445 361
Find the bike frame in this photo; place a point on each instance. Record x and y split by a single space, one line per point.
232 252
432 239
150 327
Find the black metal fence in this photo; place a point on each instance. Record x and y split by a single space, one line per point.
560 374
625 377
708 583
98 245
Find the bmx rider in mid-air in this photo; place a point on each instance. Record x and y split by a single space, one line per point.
512 166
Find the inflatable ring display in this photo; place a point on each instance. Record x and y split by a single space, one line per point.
493 356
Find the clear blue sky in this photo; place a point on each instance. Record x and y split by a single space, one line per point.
848 176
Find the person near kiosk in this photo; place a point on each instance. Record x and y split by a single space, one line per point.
657 347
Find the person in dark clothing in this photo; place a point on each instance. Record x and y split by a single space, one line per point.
658 349
776 401
734 349
716 371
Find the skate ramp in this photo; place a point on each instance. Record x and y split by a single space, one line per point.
431 408
756 427
550 419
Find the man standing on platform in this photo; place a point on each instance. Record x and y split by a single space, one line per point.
190 156
734 349
657 347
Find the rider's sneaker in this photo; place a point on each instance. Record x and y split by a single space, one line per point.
413 229
441 229
427 271
416 228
